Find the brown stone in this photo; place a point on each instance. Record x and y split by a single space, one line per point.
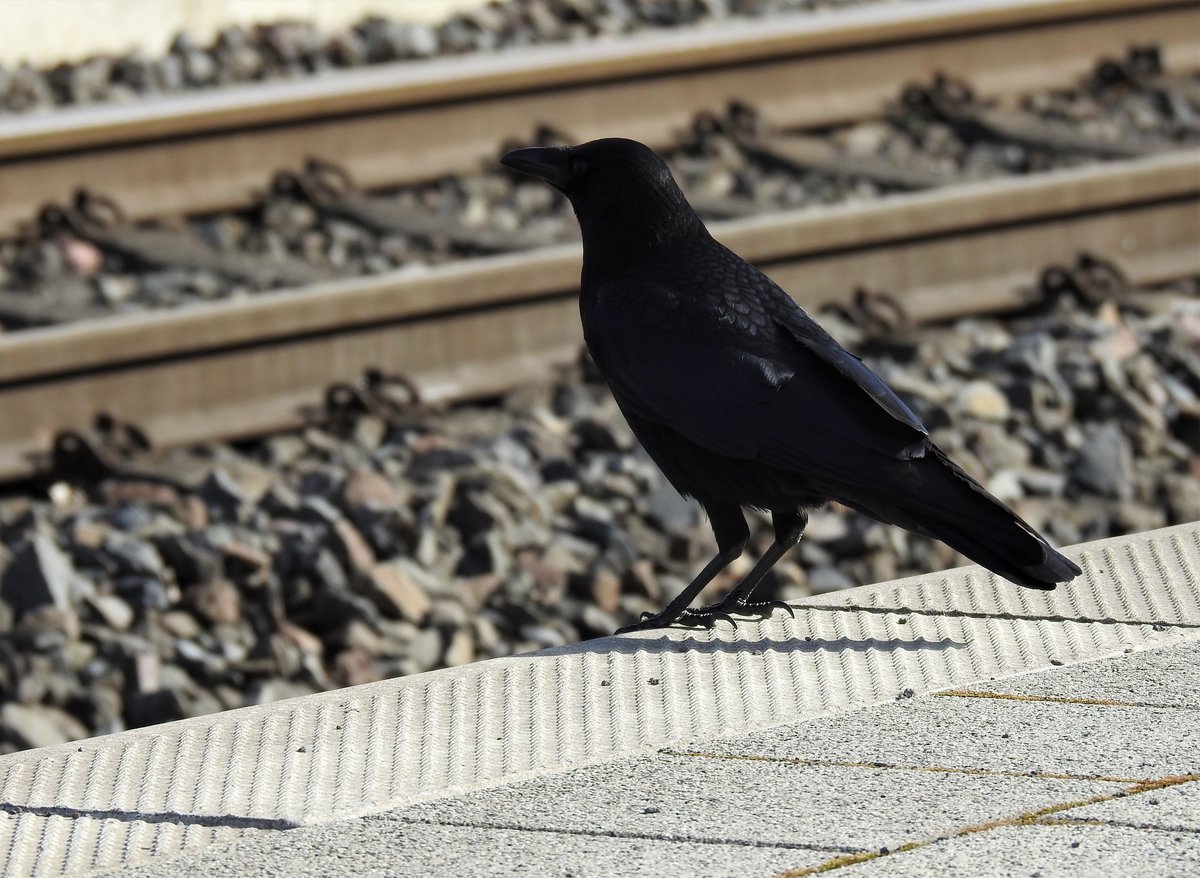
606 590
90 533
366 488
49 618
460 650
397 595
549 581
248 563
353 667
180 623
641 578
353 547
40 725
194 513
303 639
218 601
476 590
357 634
151 493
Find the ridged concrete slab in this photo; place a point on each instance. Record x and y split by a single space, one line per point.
1148 579
146 793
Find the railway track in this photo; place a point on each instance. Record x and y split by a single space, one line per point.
212 151
480 326
476 327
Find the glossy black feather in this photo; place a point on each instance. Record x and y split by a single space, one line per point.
739 395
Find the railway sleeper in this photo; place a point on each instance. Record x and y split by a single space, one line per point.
952 101
331 189
112 448
98 219
749 132
59 303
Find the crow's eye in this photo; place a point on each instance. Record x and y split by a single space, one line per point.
578 167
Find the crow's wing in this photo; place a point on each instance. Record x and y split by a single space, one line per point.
755 383
809 333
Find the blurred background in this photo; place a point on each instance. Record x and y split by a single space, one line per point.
293 387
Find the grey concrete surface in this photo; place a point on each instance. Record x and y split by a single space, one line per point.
387 846
1162 678
836 809
994 734
927 785
1045 852
1175 808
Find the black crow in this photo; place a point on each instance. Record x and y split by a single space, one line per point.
740 397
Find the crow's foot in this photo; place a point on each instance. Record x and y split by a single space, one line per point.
706 617
735 611
690 619
703 618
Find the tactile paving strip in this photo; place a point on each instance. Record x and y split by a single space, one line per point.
1151 579
148 793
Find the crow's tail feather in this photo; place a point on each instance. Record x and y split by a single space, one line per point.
947 504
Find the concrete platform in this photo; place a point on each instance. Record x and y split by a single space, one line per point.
951 723
1034 777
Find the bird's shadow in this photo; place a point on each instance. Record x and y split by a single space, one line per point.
691 643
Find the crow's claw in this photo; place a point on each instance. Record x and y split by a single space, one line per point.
648 622
701 619
779 605
705 617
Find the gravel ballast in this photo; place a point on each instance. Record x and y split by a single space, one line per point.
297 49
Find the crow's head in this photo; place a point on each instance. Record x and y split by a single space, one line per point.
623 193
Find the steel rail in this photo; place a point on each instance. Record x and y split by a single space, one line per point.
398 123
480 326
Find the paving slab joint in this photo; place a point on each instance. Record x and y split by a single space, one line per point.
1059 699
891 766
1028 818
634 836
1118 824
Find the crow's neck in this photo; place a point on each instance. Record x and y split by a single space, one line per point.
615 244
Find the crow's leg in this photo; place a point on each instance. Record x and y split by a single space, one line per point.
729 527
789 527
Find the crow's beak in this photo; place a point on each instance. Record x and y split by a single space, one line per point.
549 163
